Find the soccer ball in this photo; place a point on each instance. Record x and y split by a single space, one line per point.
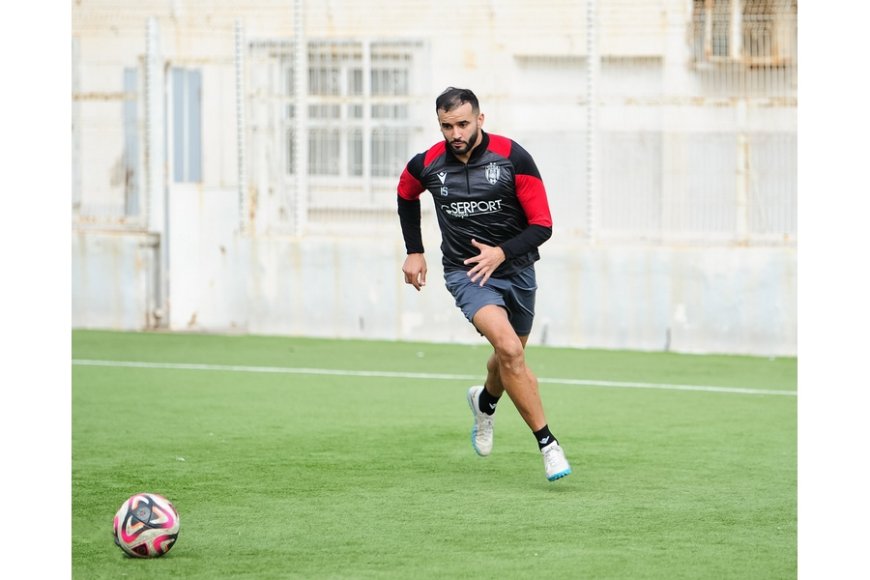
146 526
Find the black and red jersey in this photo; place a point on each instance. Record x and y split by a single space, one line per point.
497 198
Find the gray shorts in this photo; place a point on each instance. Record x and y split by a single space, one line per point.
516 294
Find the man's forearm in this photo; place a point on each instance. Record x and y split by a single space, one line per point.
409 217
526 241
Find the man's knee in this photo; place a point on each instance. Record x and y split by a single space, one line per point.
492 321
510 355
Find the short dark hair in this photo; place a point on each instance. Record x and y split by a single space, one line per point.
453 97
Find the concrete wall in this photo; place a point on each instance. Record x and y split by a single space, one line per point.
195 271
739 300
112 278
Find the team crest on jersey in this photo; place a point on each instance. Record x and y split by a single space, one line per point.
492 173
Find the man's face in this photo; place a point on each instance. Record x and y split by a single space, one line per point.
461 129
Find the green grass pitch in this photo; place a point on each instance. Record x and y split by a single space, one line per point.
363 474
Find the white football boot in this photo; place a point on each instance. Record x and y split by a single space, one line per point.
555 463
481 431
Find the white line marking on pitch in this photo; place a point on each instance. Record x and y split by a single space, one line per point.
424 376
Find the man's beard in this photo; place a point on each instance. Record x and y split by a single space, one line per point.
468 146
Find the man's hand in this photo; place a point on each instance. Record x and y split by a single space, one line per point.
485 263
414 269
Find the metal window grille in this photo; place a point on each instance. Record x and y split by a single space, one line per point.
754 32
357 126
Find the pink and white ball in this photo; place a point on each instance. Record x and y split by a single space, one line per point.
146 526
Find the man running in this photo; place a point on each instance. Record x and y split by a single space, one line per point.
493 214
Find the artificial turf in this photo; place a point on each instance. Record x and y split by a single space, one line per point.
363 474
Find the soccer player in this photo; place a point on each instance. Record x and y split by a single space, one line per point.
493 214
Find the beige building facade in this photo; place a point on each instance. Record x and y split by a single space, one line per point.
234 166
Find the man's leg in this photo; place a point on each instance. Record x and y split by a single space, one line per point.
483 399
493 378
506 368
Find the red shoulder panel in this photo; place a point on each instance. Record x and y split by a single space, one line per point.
434 153
410 187
533 198
500 145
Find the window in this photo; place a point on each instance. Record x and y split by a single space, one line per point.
358 116
186 125
390 80
754 32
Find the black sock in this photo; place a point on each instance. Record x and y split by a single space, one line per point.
544 437
487 402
